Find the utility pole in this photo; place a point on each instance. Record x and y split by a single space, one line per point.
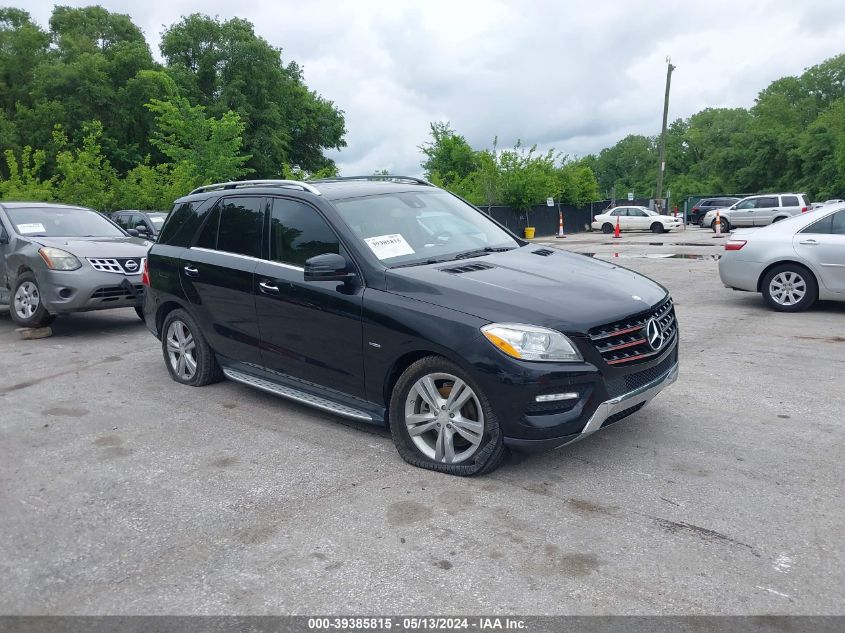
662 166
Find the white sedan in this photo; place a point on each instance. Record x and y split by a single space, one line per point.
634 219
793 262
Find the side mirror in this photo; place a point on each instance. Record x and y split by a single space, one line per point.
327 267
133 232
142 229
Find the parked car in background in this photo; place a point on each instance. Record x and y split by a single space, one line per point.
146 223
698 212
758 210
792 263
817 205
394 302
634 219
57 259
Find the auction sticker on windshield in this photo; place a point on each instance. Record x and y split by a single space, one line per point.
387 246
31 228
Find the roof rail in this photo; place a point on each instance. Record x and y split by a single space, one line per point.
390 177
288 184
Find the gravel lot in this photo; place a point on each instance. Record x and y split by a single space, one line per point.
125 493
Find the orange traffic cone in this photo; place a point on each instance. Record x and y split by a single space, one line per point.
618 231
718 225
560 225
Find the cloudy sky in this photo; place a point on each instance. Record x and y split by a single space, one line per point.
573 75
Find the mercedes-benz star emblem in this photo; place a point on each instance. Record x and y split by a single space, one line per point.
131 265
654 334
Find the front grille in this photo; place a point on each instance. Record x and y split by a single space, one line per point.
625 342
120 265
623 384
622 414
116 293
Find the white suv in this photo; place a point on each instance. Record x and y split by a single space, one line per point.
758 210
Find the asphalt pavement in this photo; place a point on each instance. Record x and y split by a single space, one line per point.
123 492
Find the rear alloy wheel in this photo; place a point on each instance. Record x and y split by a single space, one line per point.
657 227
441 421
27 308
790 288
607 228
189 359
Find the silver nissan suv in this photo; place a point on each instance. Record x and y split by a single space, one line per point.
56 259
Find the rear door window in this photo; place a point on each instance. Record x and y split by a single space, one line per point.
767 202
234 226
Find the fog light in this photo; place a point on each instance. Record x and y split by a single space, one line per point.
553 397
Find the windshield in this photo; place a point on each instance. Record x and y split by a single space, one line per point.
649 211
61 222
157 220
416 227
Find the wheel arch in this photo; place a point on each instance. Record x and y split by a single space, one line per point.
163 310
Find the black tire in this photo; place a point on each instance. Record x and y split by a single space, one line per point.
788 272
726 226
139 310
657 227
491 449
607 228
39 317
207 370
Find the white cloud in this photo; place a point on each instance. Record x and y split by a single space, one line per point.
575 75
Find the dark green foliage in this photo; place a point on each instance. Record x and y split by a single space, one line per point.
223 105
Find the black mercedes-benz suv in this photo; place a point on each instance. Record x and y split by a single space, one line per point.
392 301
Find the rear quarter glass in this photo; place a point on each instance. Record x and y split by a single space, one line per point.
182 223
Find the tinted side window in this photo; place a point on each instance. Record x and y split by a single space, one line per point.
838 225
208 235
767 202
790 201
240 225
181 224
822 226
298 232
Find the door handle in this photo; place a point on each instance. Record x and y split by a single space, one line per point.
809 242
268 288
191 271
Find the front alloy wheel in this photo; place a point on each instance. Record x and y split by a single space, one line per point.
440 420
444 418
27 308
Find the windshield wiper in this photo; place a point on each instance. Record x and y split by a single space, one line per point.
483 251
422 263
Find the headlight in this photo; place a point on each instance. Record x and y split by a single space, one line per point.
529 342
57 259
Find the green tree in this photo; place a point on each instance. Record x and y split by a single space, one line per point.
449 158
207 148
83 175
24 181
226 66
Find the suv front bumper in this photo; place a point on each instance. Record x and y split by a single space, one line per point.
608 412
86 289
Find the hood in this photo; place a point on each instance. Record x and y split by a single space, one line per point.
98 246
556 289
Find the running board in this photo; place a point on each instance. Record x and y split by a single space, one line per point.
303 397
